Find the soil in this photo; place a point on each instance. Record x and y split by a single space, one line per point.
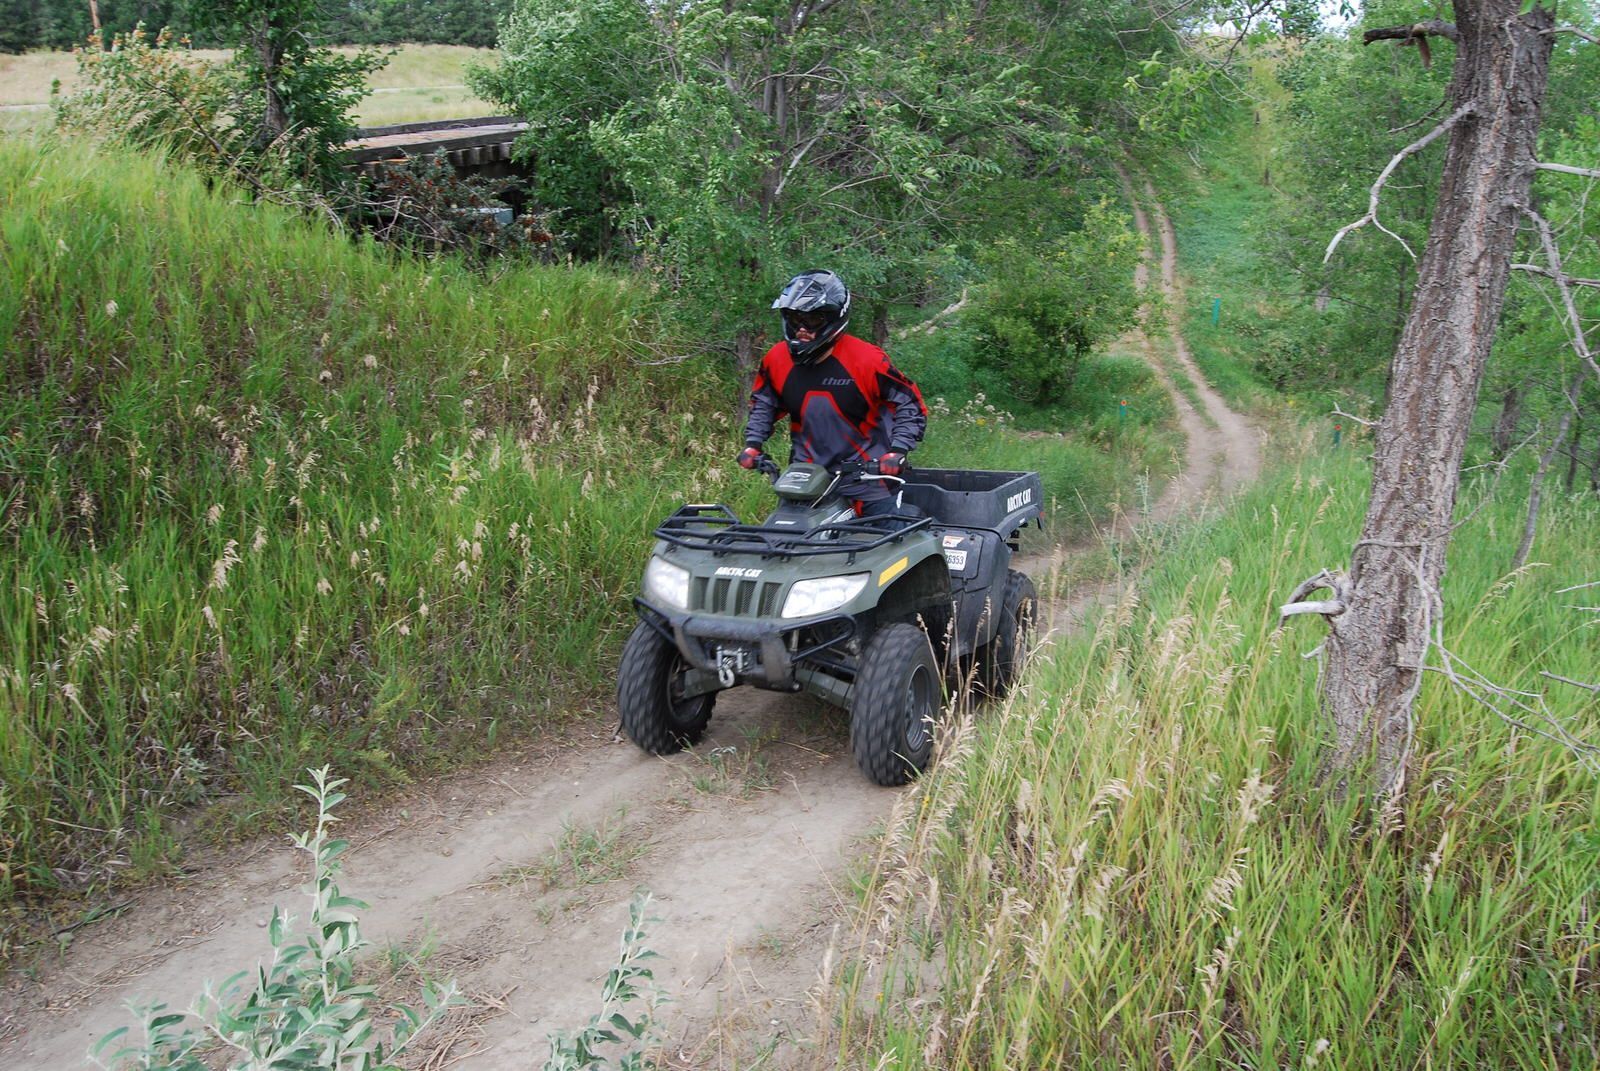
514 878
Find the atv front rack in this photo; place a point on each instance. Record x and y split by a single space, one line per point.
717 529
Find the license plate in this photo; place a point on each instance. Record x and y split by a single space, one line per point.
956 559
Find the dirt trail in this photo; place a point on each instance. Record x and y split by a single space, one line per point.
746 846
1224 449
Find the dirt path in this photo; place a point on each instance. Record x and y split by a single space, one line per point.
515 878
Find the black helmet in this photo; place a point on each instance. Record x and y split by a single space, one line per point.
819 302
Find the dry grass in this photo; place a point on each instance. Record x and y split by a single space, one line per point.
421 82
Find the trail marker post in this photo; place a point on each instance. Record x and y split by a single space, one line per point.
1216 311
1338 430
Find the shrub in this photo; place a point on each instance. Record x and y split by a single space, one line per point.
1042 312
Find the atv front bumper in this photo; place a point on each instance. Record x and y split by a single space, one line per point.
759 651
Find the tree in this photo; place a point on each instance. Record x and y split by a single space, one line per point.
1383 616
286 82
733 143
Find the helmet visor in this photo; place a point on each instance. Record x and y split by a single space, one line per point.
812 321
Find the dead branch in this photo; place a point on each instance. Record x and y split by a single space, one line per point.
1580 587
1537 269
1574 31
1569 680
1363 421
1417 30
1575 331
1377 187
1565 169
928 325
1297 604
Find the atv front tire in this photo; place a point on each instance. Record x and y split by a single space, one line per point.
895 702
650 699
1000 660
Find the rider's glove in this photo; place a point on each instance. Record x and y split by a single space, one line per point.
890 464
749 456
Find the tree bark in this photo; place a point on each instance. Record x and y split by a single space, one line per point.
1536 492
1573 446
1378 644
1504 435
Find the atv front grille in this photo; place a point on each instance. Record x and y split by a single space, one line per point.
737 597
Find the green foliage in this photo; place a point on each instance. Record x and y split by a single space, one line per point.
1039 314
286 84
1159 881
274 117
301 1011
627 983
734 145
153 93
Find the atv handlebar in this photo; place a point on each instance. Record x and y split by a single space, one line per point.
850 470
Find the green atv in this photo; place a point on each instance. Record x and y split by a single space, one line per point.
871 614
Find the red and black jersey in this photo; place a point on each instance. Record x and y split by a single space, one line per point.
852 404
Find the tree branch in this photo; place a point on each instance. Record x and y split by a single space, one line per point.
1429 27
1575 331
1582 172
1574 31
1535 269
1377 187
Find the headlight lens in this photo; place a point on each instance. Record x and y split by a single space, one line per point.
667 583
810 597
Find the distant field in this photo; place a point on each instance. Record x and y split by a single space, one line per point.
421 82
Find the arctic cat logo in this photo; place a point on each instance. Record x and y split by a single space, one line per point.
734 570
1017 501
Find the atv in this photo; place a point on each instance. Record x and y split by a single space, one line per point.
873 614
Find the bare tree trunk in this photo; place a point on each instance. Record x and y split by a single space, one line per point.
1379 642
94 15
1504 434
1572 452
1536 493
274 116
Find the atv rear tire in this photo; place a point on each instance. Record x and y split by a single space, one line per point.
895 702
999 661
650 695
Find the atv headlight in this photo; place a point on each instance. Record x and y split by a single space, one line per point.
667 583
810 597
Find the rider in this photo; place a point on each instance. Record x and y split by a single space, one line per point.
845 400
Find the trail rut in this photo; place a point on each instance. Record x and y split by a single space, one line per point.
746 845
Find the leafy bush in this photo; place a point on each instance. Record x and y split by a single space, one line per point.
303 1011
1040 313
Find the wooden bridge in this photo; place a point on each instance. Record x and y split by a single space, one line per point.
481 145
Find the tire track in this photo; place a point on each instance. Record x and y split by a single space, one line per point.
748 886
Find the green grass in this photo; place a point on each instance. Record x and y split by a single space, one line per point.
1132 864
1218 207
271 497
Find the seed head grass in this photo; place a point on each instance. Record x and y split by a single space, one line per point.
1133 863
272 496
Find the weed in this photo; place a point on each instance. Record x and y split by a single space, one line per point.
734 771
582 856
304 1009
627 983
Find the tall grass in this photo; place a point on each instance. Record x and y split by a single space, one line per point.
272 497
1133 864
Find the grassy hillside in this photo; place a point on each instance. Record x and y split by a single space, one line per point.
1133 864
270 497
